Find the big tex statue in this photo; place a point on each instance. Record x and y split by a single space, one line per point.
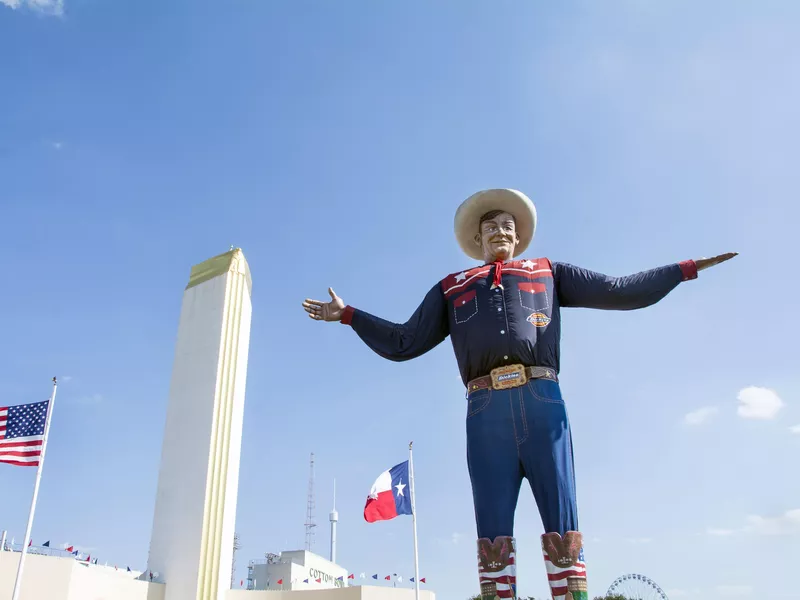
503 318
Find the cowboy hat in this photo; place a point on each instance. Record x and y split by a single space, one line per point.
468 216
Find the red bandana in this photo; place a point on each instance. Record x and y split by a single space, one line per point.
498 274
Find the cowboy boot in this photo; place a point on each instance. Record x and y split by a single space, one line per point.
496 568
566 570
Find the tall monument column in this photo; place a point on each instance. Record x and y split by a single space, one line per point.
191 545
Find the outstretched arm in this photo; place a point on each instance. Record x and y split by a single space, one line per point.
583 288
426 328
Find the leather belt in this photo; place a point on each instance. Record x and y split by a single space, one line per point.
511 376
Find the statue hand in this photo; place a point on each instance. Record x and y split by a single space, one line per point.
325 311
704 263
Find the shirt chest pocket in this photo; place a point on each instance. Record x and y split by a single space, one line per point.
533 296
465 306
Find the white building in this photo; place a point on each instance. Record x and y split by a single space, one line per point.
57 578
295 570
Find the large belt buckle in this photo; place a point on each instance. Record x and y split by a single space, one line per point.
508 376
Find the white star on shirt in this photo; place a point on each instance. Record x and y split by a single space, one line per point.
400 487
461 276
528 264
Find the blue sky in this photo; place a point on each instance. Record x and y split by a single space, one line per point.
333 142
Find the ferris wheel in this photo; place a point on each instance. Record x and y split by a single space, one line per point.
636 587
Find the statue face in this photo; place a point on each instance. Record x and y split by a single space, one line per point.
497 237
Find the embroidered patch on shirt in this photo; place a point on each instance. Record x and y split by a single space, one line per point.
538 319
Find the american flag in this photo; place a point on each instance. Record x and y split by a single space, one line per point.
22 433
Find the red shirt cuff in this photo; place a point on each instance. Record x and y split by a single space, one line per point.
689 269
347 315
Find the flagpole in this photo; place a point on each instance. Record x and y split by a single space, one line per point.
413 519
18 580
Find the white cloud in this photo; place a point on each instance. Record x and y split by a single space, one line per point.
677 593
637 541
734 590
701 415
795 429
758 403
92 399
47 7
786 524
455 539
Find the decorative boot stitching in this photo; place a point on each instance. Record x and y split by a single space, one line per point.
496 567
566 570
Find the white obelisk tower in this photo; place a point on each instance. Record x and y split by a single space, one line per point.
191 545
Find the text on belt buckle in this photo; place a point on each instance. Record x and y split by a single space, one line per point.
508 376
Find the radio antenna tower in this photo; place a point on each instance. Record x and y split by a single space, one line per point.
334 517
310 524
236 546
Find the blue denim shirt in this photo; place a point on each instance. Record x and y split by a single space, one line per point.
516 322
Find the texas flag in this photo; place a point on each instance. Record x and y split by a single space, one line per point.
389 496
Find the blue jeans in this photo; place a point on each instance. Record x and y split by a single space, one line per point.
515 433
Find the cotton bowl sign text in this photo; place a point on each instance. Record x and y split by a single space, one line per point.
325 578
